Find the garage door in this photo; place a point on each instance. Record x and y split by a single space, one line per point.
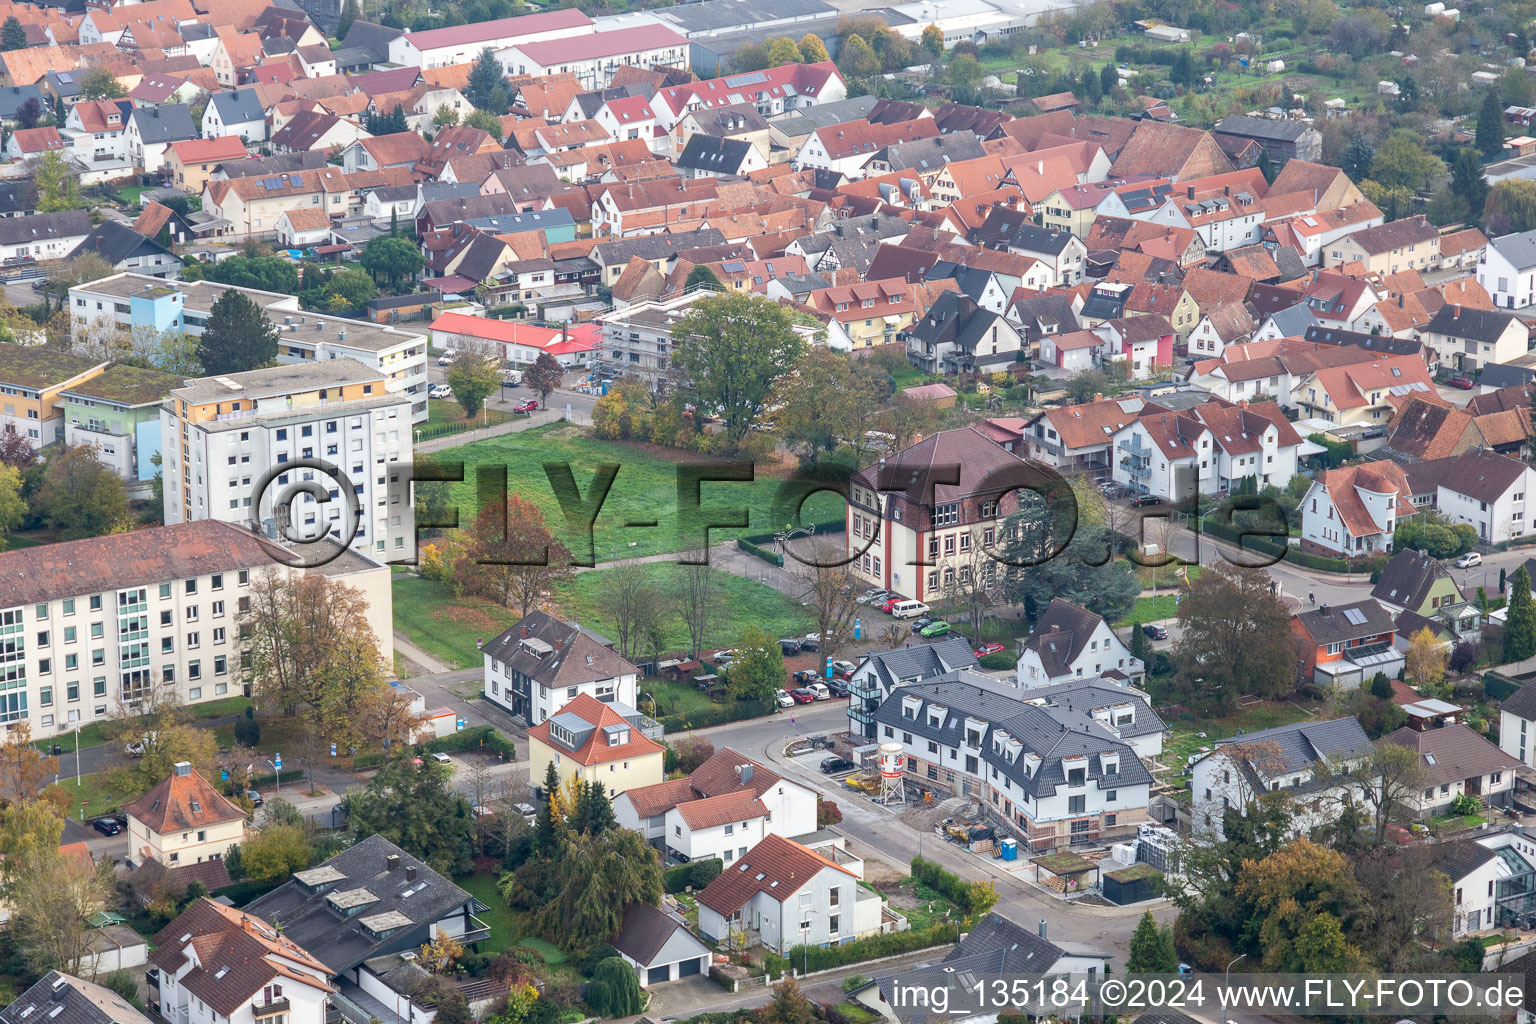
688 968
656 974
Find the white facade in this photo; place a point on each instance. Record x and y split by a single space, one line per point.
1505 518
728 841
1508 270
306 1002
828 902
544 702
1103 651
1217 781
462 45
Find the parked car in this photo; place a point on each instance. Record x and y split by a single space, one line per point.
804 677
872 596
820 691
442 758
986 649
108 826
527 405
254 797
811 642
802 695
783 699
838 687
527 811
843 669
835 765
790 646
919 624
1468 560
1154 632
938 627
1142 500
724 657
446 359
440 391
1461 383
886 604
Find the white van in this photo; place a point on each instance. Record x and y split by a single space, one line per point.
908 609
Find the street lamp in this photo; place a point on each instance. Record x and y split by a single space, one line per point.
1228 985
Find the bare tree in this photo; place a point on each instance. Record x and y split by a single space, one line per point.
971 586
692 593
51 903
1387 783
827 587
630 600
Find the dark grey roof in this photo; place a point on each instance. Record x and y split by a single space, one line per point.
546 649
1261 128
923 661
40 226
283 164
1406 580
714 154
645 932
1458 860
1290 263
1011 228
169 123
1456 321
1298 746
930 155
12 97
307 919
653 247
1062 728
115 242
66 83
396 301
808 119
1324 335
1060 634
1518 249
436 191
515 223
18 197
1521 703
238 107
1479 474
1505 375
480 257
372 37
738 117
1330 624
1046 314
1294 320
64 999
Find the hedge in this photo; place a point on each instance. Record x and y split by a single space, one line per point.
830 526
698 874
1262 544
486 738
241 893
1498 686
998 660
872 947
758 552
717 714
946 883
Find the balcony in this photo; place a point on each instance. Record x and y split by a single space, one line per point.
477 932
1136 461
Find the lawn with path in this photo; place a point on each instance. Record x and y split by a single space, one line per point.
1184 736
645 489
447 626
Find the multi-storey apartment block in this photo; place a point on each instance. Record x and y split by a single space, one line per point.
90 627
222 435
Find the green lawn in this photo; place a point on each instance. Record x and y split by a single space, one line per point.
505 926
644 491
129 194
1184 738
441 412
857 1013
431 617
99 795
1151 609
1165 576
94 734
673 698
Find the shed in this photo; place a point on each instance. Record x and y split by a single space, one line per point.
1133 884
659 946
940 396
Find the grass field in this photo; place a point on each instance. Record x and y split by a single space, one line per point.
441 412
94 734
97 793
644 491
508 926
673 698
1184 737
1151 609
431 617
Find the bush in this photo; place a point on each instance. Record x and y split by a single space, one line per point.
827 813
717 714
615 991
692 752
247 730
698 874
871 947
602 951
1466 803
485 738
772 558
999 661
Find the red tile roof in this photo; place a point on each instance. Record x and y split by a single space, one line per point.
183 802
739 806
596 749
776 866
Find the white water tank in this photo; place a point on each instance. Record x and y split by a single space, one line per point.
891 760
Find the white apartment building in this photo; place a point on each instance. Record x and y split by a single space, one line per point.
461 44
1479 488
1300 762
1062 765
541 663
1508 270
137 302
594 58
225 436
91 626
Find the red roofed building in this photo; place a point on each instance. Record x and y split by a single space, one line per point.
728 804
783 895
594 58
522 343
590 739
1354 509
192 162
239 967
184 820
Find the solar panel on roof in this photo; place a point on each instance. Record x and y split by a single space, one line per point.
272 182
1355 616
752 78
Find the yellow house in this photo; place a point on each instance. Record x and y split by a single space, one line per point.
31 381
184 820
1408 244
191 163
589 738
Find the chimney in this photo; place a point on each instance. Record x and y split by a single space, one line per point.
1042 928
1098 397
744 774
1324 610
391 862
1456 311
410 872
182 769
